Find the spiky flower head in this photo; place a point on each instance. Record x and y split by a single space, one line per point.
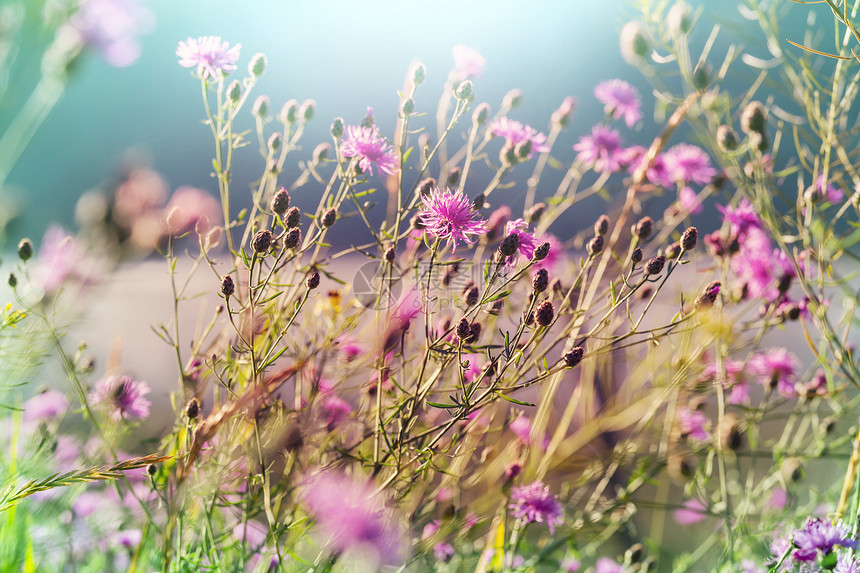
122 396
450 217
534 502
209 55
366 145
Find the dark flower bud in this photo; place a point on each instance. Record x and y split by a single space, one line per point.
234 92
556 286
292 217
496 307
419 73
481 113
643 228
726 138
655 265
730 433
192 410
227 286
673 250
415 222
262 241
544 313
784 283
634 553
601 226
540 281
390 254
472 295
508 155
690 238
595 246
329 217
702 76
13 280
454 176
448 277
281 201
792 469
523 149
792 312
474 332
709 296
337 128
636 255
535 213
257 65
274 143
513 470
25 249
261 106
573 357
151 469
478 201
509 245
759 141
426 186
292 238
307 110
827 425
465 91
313 280
753 118
407 107
464 329
289 112
541 252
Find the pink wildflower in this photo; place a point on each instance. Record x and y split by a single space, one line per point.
47 405
110 27
335 411
123 397
209 55
689 202
534 502
692 512
516 133
607 565
369 147
776 367
450 217
195 210
526 240
619 99
693 423
602 149
468 62
689 163
829 192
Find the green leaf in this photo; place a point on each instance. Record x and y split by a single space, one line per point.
498 296
513 400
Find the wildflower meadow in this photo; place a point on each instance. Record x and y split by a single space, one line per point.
400 350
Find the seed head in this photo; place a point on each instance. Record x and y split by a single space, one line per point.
262 241
643 228
690 238
227 286
329 217
573 357
25 249
655 265
292 238
292 217
544 313
540 281
281 201
313 280
595 246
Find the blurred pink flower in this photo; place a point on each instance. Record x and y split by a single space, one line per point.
111 28
527 241
693 511
193 206
693 423
123 396
607 565
468 62
688 163
619 99
534 503
776 366
516 133
61 257
602 149
47 405
689 201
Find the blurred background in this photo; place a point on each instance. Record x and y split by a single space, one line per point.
345 55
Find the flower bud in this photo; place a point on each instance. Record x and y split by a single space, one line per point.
151 470
281 201
673 250
636 255
512 99
509 245
561 116
313 280
535 212
308 109
508 154
234 92
544 313
419 73
292 217
426 186
407 107
601 226
595 246
289 112
227 286
192 410
643 228
540 281
541 252
573 357
634 553
634 41
753 118
213 238
465 91
709 296
464 329
25 249
759 141
454 176
261 106
12 280
679 18
702 76
257 65
655 265
321 152
337 128
262 241
390 254
481 113
726 138
329 217
292 238
274 143
473 294
690 238
730 432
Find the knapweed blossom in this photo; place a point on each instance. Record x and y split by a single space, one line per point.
776 367
123 397
619 99
468 62
209 55
450 217
687 163
602 149
365 144
819 536
526 243
534 502
515 133
110 27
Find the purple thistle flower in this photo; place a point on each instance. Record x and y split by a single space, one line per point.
689 201
602 149
693 511
123 397
688 163
534 502
110 27
365 143
48 405
741 218
693 423
60 257
846 563
619 99
209 55
607 565
776 366
516 133
352 516
468 62
819 536
827 192
556 252
335 411
527 241
450 217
